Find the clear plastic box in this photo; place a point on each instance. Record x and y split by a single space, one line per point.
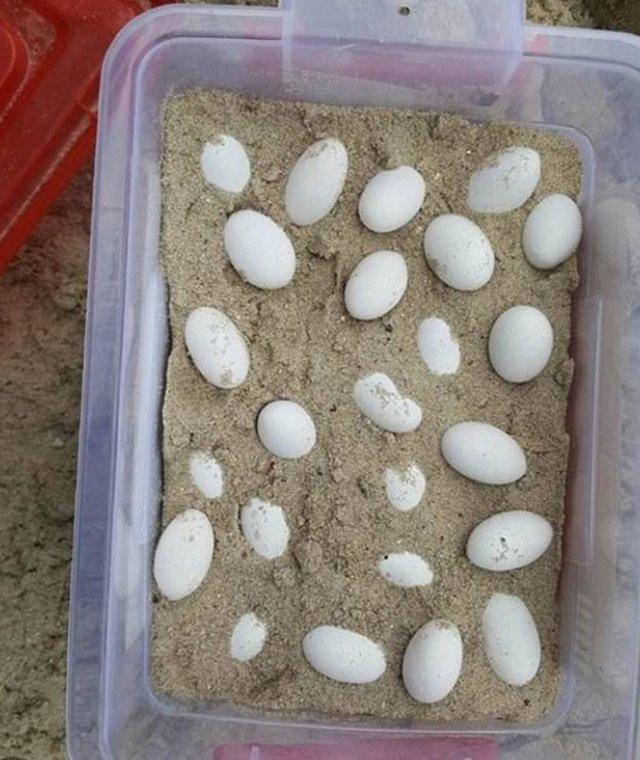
364 52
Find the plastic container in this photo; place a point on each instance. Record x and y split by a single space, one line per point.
586 84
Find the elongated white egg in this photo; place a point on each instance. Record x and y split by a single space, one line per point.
265 528
438 348
406 569
520 343
343 655
376 285
377 397
552 232
432 661
206 474
248 637
509 540
225 164
391 199
505 182
405 487
286 429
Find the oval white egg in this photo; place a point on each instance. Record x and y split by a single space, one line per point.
376 285
377 397
286 429
509 540
483 453
316 181
506 182
520 343
552 231
432 661
458 252
265 528
343 655
438 348
225 164
391 199
405 488
183 554
216 347
259 250
206 474
248 637
511 639
406 570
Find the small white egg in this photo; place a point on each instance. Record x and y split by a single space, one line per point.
458 252
432 661
377 397
206 474
316 181
225 164
259 250
286 429
520 343
406 570
216 347
376 285
183 554
391 199
552 232
248 637
405 488
343 655
438 348
483 453
509 540
511 639
506 182
265 528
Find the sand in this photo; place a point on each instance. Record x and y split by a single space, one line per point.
305 346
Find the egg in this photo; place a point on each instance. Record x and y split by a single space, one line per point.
316 181
206 474
437 346
248 637
506 182
406 570
509 540
225 164
376 285
405 488
377 397
511 639
216 347
458 252
286 429
343 655
483 453
552 231
432 661
520 343
259 250
265 528
183 554
391 199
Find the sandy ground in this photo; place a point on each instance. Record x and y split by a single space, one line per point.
42 298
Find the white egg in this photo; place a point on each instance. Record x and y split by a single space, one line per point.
316 181
438 348
405 488
377 397
520 343
216 347
506 182
343 655
376 285
483 453
552 232
206 474
458 252
432 661
183 554
406 570
509 540
511 639
248 637
286 429
391 199
265 528
259 250
225 164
